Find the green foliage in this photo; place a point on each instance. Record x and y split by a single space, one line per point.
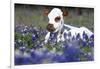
34 16
27 39
49 47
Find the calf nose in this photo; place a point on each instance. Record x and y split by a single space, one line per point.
50 27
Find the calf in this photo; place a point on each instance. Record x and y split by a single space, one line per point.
56 25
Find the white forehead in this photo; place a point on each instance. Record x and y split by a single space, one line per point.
55 12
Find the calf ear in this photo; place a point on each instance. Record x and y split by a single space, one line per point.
65 12
46 11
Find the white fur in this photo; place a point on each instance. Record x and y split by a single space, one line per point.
58 26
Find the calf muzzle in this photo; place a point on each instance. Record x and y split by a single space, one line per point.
50 28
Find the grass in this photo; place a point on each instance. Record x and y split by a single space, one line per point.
35 17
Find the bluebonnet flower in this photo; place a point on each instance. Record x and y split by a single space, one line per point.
34 57
50 56
91 40
70 50
91 43
37 56
73 38
18 58
71 53
38 46
33 37
19 42
85 36
53 38
21 58
45 50
59 58
53 35
90 56
78 36
83 42
69 34
65 35
26 58
92 36
22 49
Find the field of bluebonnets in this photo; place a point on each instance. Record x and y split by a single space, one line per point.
30 24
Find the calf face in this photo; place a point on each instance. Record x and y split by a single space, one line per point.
55 20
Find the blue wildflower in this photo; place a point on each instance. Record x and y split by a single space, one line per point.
92 36
91 43
77 36
33 37
71 53
69 34
85 36
65 35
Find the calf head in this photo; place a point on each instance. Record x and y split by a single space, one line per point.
56 21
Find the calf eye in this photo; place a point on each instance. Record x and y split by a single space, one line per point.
57 19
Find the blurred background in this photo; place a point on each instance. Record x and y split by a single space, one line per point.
36 15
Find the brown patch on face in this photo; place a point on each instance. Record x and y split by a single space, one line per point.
50 28
65 12
46 11
57 19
